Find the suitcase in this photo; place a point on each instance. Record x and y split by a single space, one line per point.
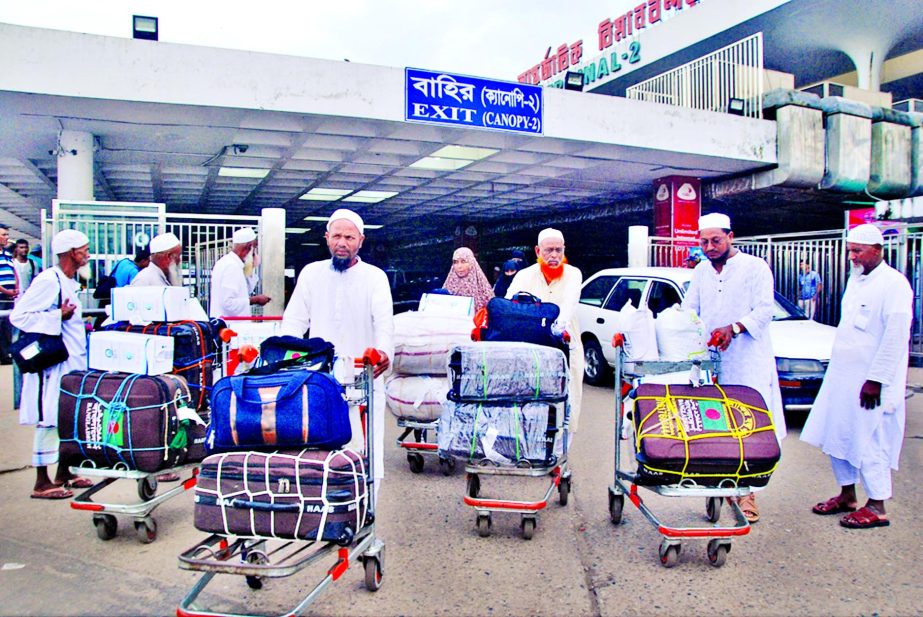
524 319
708 434
422 341
291 409
127 420
512 435
195 348
416 397
307 495
507 372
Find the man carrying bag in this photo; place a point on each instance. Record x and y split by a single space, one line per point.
49 310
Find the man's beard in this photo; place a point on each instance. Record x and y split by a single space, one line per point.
340 264
249 266
551 273
722 258
85 272
174 276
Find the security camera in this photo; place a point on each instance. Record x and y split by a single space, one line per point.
241 148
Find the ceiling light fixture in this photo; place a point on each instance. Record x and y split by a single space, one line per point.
325 194
242 172
370 197
452 158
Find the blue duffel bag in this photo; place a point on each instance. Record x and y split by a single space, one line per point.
525 319
287 409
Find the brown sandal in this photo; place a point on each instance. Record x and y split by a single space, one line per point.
748 507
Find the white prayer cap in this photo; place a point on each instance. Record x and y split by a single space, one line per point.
347 215
549 233
164 242
68 239
244 235
715 220
865 234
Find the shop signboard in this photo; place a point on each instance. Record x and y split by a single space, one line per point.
460 100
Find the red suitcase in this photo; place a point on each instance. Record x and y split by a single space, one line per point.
708 435
306 494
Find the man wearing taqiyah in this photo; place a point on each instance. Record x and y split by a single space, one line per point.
555 281
164 269
230 285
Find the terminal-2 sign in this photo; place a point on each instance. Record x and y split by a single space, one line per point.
471 101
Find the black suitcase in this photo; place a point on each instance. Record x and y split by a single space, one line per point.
127 420
298 494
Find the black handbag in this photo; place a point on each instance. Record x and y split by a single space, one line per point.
35 352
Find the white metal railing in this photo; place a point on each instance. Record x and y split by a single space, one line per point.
710 82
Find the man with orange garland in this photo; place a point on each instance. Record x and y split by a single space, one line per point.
553 280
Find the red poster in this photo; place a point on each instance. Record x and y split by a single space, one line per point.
677 206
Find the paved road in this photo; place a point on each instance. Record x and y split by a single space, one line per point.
51 562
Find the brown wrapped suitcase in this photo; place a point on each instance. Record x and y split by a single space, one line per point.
129 421
710 435
298 494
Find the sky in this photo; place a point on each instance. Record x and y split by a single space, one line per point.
489 38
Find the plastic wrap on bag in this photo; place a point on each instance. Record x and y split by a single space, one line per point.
507 371
423 340
416 397
506 435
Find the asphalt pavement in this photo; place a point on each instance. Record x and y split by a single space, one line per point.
578 563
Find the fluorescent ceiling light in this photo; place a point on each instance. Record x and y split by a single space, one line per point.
320 219
370 197
438 164
463 152
373 226
297 230
242 172
325 194
310 244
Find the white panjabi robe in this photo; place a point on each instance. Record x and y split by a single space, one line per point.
872 343
230 289
565 292
352 310
741 292
38 310
151 276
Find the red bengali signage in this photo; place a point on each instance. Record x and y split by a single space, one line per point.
609 31
677 207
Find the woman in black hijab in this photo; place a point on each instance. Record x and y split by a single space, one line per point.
510 268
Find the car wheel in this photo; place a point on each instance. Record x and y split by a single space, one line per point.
596 371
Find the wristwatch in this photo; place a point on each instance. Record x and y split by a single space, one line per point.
735 328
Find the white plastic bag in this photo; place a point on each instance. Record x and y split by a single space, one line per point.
637 325
681 335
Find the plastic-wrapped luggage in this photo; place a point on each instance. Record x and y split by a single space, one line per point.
708 435
681 335
423 340
507 435
416 397
507 371
307 494
290 409
135 421
195 348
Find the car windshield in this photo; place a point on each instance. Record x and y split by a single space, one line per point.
783 310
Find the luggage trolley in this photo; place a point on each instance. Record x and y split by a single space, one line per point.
259 558
625 482
247 331
422 444
104 513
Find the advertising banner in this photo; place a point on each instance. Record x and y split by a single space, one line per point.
677 206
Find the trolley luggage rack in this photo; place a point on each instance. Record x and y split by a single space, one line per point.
625 482
104 513
255 558
226 364
421 446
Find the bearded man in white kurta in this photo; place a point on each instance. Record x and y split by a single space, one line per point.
555 281
51 306
733 294
858 416
230 286
347 302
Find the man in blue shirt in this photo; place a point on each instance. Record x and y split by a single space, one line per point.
809 284
126 270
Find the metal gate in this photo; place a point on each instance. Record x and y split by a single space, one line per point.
117 229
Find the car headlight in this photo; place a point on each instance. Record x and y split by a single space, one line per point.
799 365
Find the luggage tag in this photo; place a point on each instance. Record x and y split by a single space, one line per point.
488 440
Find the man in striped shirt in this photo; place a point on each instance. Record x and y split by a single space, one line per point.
9 289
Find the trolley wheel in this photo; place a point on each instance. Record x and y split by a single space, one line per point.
564 490
483 523
447 465
146 529
528 527
373 573
255 557
616 505
106 526
415 460
474 485
717 552
669 554
713 509
147 488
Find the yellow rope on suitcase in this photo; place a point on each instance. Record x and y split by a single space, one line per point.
671 426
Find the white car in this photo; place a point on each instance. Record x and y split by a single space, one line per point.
802 347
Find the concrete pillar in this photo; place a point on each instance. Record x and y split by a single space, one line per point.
638 253
75 165
272 258
869 63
